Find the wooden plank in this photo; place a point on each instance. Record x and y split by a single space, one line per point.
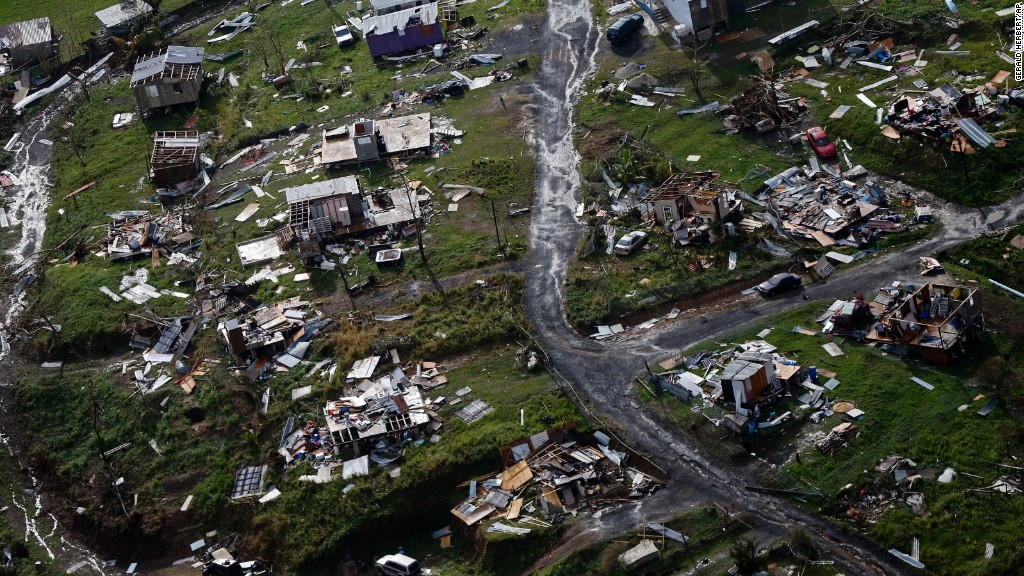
80 190
514 509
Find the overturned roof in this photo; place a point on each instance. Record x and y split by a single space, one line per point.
398 21
124 11
174 62
316 190
27 33
174 148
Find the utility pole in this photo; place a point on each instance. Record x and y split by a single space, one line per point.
497 234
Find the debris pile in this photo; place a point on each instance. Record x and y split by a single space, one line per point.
275 336
761 109
947 115
139 233
553 473
820 204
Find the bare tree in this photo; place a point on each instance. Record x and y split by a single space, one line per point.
696 71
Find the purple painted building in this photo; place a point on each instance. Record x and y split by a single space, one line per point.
403 30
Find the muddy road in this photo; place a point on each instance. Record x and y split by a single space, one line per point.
601 372
26 204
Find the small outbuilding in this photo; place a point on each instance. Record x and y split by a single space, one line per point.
28 43
175 158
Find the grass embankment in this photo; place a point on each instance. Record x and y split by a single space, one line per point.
206 436
901 418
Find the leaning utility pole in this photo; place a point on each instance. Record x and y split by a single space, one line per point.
497 234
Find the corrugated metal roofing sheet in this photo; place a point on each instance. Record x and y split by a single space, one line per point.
976 132
337 186
26 33
123 12
155 64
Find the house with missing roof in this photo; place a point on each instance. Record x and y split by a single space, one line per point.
402 30
175 158
26 44
168 77
122 16
339 207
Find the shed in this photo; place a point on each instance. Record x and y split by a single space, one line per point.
403 30
175 158
638 555
747 378
168 77
27 43
121 16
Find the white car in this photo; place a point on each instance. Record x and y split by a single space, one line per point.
398 565
343 35
630 243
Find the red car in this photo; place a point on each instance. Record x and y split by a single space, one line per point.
819 141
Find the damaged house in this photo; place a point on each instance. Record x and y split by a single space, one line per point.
945 114
143 234
403 30
761 109
554 472
825 207
168 77
385 409
338 207
25 44
698 17
692 202
371 140
936 321
276 335
748 380
175 158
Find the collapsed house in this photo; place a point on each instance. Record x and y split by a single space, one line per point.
25 44
135 234
271 336
747 379
691 203
387 409
371 140
761 109
402 30
168 77
935 321
175 158
122 16
554 472
825 207
946 114
372 421
338 207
